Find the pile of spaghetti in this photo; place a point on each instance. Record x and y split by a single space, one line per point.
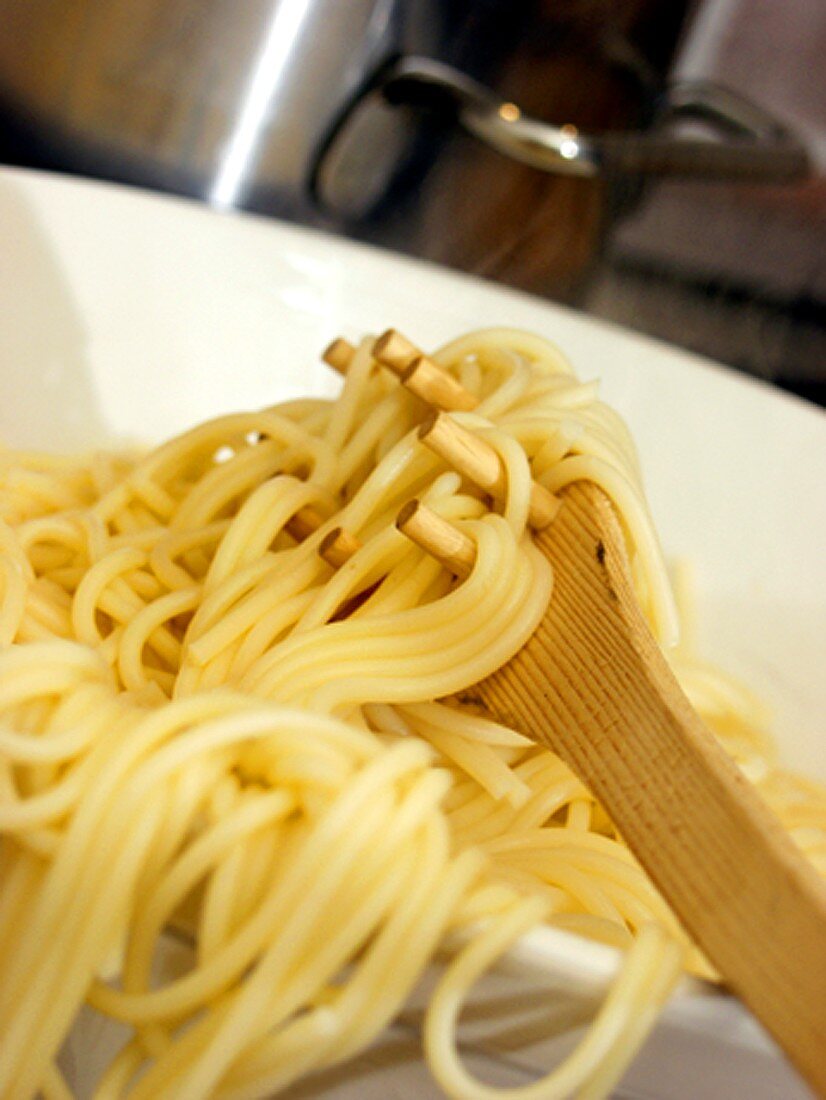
206 726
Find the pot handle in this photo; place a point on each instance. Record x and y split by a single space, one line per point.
735 139
740 139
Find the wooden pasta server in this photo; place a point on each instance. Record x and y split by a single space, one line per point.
593 685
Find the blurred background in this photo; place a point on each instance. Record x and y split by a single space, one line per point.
660 163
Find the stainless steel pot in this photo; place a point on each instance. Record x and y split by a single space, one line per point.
223 100
271 102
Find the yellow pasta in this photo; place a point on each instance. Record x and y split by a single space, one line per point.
205 727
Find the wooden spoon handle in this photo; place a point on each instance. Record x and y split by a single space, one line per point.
593 684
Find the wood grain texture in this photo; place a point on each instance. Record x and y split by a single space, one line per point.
593 685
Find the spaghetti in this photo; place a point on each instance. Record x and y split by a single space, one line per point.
206 726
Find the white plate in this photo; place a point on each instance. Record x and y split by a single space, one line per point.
124 314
